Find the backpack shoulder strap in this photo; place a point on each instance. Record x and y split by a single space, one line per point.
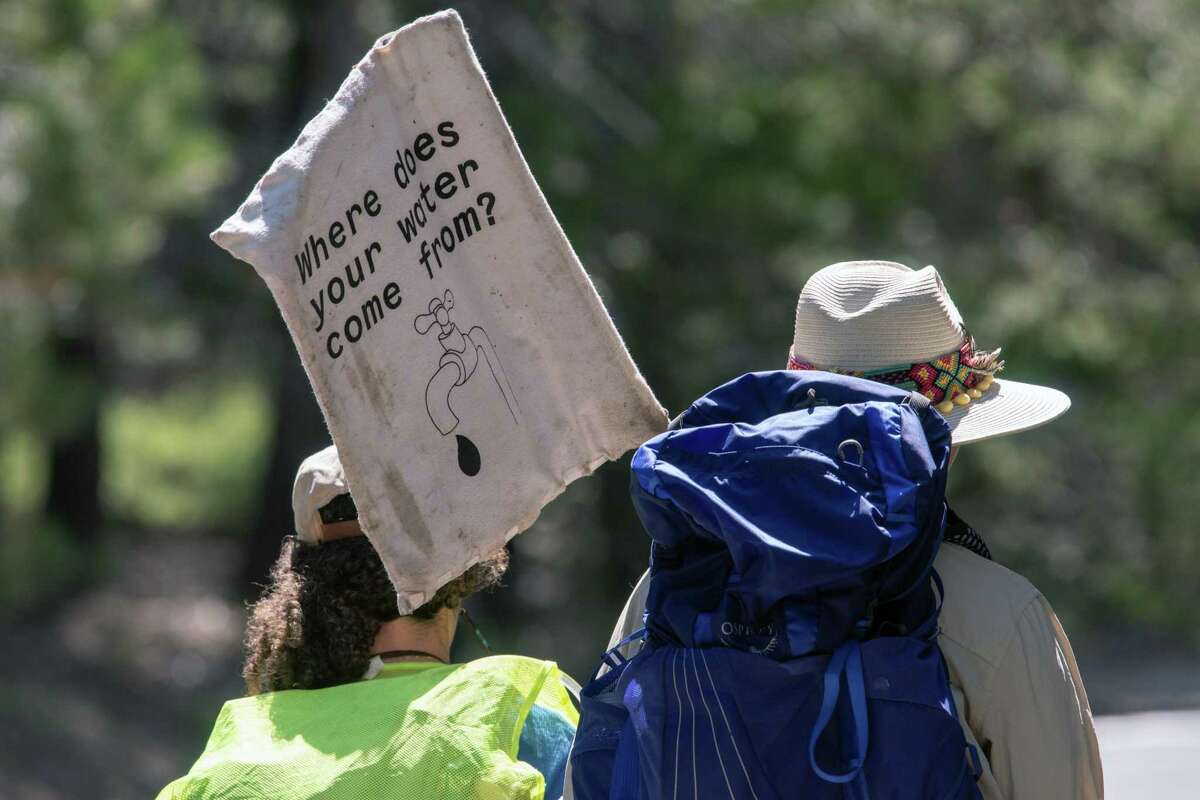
918 401
626 774
961 533
614 658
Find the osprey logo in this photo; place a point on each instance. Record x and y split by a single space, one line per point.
760 639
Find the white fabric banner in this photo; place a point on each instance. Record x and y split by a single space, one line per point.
465 364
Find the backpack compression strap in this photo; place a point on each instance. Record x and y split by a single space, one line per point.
613 658
918 401
846 659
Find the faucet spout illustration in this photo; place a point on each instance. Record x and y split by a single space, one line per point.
461 356
437 397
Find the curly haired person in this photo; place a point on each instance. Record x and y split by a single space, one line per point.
349 699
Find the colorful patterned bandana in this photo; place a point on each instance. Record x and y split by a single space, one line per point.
956 378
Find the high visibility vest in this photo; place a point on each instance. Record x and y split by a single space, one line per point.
417 732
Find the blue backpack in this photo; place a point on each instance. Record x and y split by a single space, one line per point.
790 643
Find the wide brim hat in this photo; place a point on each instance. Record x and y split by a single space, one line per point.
887 322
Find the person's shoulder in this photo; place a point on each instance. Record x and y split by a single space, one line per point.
522 673
511 663
967 573
542 678
984 604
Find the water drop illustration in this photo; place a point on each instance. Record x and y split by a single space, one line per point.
468 456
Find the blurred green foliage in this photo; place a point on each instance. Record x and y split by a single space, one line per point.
186 460
103 143
1045 156
704 157
103 140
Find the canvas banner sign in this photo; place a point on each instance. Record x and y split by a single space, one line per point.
464 363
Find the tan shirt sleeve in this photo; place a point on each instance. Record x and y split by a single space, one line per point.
1046 748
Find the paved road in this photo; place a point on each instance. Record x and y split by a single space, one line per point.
1154 756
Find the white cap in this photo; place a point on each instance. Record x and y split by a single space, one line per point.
318 481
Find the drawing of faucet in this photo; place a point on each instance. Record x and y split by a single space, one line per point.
459 360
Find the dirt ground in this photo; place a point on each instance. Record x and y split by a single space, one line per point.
112 695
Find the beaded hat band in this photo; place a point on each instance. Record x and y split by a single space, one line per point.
953 379
857 317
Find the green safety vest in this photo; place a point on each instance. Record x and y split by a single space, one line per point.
418 732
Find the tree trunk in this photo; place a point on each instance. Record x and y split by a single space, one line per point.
299 431
319 58
73 493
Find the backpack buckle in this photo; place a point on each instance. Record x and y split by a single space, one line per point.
812 401
850 443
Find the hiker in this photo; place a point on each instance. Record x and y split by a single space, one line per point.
1013 681
349 699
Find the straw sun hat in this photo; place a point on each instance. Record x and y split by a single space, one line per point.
889 323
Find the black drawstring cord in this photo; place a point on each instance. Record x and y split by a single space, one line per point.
466 615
